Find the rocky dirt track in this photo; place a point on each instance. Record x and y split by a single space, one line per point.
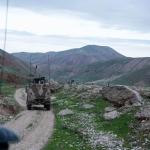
34 127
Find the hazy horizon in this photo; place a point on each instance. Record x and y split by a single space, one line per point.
52 25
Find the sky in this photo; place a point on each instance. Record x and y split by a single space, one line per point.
56 25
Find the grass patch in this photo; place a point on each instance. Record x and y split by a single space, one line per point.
8 102
119 126
7 89
100 105
69 138
65 139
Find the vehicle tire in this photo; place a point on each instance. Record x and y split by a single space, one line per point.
47 107
29 107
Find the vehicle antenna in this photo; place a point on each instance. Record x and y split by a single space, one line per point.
49 68
30 75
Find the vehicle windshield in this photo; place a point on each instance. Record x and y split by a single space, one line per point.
39 80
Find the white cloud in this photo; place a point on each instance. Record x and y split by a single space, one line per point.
34 43
133 50
59 30
65 24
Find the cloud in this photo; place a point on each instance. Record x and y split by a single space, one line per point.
127 14
46 25
66 24
22 41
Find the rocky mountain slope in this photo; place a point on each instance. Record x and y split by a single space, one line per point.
14 68
85 55
69 61
121 71
92 63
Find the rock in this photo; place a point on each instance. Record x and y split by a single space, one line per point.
89 91
109 109
111 115
10 117
145 93
54 86
53 98
143 113
84 95
66 87
80 88
145 126
125 109
96 90
66 112
121 95
87 106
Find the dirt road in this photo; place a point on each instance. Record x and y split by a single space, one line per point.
34 127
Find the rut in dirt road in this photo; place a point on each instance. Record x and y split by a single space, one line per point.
34 127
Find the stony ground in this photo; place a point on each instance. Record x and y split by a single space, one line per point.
85 120
81 123
8 106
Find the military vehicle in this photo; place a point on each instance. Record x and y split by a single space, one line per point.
38 93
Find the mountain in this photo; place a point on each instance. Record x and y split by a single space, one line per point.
14 69
100 64
90 53
129 71
66 63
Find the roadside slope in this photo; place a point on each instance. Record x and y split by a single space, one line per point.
14 69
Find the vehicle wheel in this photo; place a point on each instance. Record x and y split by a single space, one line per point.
47 107
29 107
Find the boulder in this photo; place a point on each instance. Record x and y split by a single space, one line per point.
53 98
66 87
145 126
82 88
89 91
109 109
111 115
143 113
145 93
121 95
54 86
87 106
66 112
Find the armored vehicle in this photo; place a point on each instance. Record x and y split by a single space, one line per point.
38 93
